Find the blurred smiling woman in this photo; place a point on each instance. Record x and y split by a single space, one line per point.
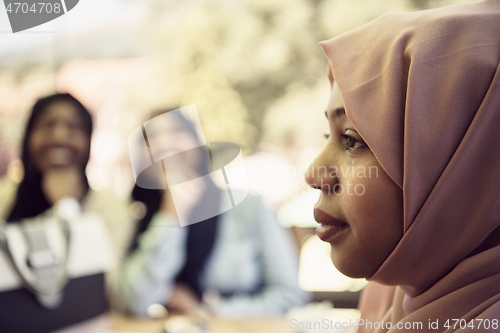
417 95
52 272
56 150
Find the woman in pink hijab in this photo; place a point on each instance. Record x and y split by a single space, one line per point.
410 174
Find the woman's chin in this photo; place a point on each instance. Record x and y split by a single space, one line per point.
351 267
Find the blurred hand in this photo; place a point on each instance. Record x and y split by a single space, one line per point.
58 183
183 300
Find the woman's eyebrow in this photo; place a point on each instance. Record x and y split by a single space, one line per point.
337 112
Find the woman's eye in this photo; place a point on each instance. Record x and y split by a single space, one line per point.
352 144
47 126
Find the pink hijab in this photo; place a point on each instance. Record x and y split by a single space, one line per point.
423 90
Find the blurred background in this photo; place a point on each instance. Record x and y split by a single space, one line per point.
253 68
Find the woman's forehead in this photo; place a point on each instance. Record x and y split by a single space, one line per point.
60 110
336 100
336 108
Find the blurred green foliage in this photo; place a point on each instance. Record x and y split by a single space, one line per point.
236 60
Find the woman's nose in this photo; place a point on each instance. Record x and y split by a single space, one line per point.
322 173
60 134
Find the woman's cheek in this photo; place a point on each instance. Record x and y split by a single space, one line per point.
34 147
362 205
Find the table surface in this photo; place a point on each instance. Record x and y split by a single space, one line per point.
120 323
216 325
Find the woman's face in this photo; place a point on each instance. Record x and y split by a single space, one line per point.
171 142
360 210
58 138
167 136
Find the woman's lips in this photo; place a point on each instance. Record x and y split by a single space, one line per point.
329 226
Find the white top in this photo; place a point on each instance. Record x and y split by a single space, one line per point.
90 251
251 249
